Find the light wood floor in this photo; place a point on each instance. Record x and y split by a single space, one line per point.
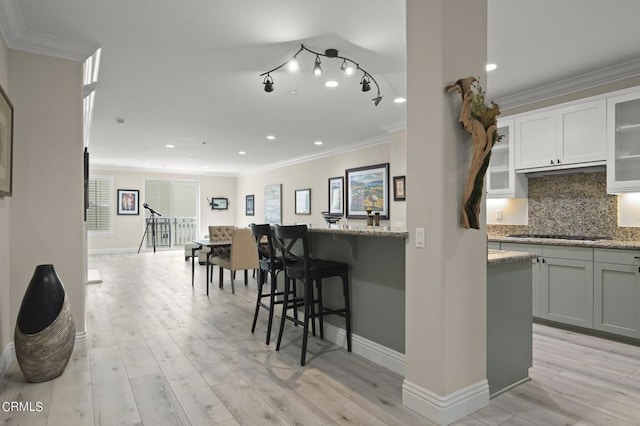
159 353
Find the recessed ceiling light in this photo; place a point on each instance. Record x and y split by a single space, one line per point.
241 152
331 83
147 162
271 137
293 92
205 167
399 100
317 143
170 146
491 67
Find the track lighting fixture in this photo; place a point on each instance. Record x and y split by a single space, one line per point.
348 66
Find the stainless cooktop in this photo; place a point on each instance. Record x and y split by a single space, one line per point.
560 237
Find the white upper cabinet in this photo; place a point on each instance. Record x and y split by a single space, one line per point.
561 137
623 139
502 181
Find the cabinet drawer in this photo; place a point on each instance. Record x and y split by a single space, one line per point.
529 248
621 257
565 252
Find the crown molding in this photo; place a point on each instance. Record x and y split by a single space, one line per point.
17 37
99 167
612 74
379 140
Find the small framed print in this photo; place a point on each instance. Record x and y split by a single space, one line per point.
219 203
249 205
399 188
336 195
303 201
128 201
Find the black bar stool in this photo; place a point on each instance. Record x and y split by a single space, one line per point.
309 271
270 267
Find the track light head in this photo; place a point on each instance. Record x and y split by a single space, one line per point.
294 64
376 100
364 81
346 68
268 84
317 69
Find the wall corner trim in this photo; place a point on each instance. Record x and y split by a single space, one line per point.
447 409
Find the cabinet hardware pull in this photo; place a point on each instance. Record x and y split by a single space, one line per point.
636 257
558 161
544 261
551 162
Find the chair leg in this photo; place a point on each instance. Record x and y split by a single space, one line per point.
308 301
272 303
347 309
295 306
255 315
285 306
221 276
233 277
320 308
246 277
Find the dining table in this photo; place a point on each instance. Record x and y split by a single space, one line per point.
205 243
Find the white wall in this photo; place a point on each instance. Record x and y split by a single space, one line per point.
128 230
5 327
514 211
315 174
46 211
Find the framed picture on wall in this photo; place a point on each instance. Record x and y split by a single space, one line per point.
273 204
367 188
303 201
336 195
399 187
219 203
128 202
249 204
6 145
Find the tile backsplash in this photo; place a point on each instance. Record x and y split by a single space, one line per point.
572 204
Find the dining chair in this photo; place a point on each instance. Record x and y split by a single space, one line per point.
310 271
219 233
243 255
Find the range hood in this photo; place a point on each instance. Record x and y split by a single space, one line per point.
567 171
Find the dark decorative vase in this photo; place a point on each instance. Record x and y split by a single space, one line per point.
45 331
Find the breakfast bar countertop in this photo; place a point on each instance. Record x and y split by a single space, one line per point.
360 230
606 244
495 257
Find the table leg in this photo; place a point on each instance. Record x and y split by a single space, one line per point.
193 255
208 263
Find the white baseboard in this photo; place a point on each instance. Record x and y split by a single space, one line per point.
444 410
9 353
366 348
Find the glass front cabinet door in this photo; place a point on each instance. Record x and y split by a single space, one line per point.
623 143
502 180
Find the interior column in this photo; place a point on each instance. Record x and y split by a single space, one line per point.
445 375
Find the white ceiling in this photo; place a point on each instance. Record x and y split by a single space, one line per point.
184 73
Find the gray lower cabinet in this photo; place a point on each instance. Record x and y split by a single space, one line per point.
617 291
566 291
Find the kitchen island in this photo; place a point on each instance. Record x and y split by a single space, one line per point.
376 256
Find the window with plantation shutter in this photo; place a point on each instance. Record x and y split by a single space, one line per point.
99 212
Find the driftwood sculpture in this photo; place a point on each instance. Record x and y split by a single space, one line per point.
479 120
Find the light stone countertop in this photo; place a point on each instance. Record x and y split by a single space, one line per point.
608 244
496 257
360 230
